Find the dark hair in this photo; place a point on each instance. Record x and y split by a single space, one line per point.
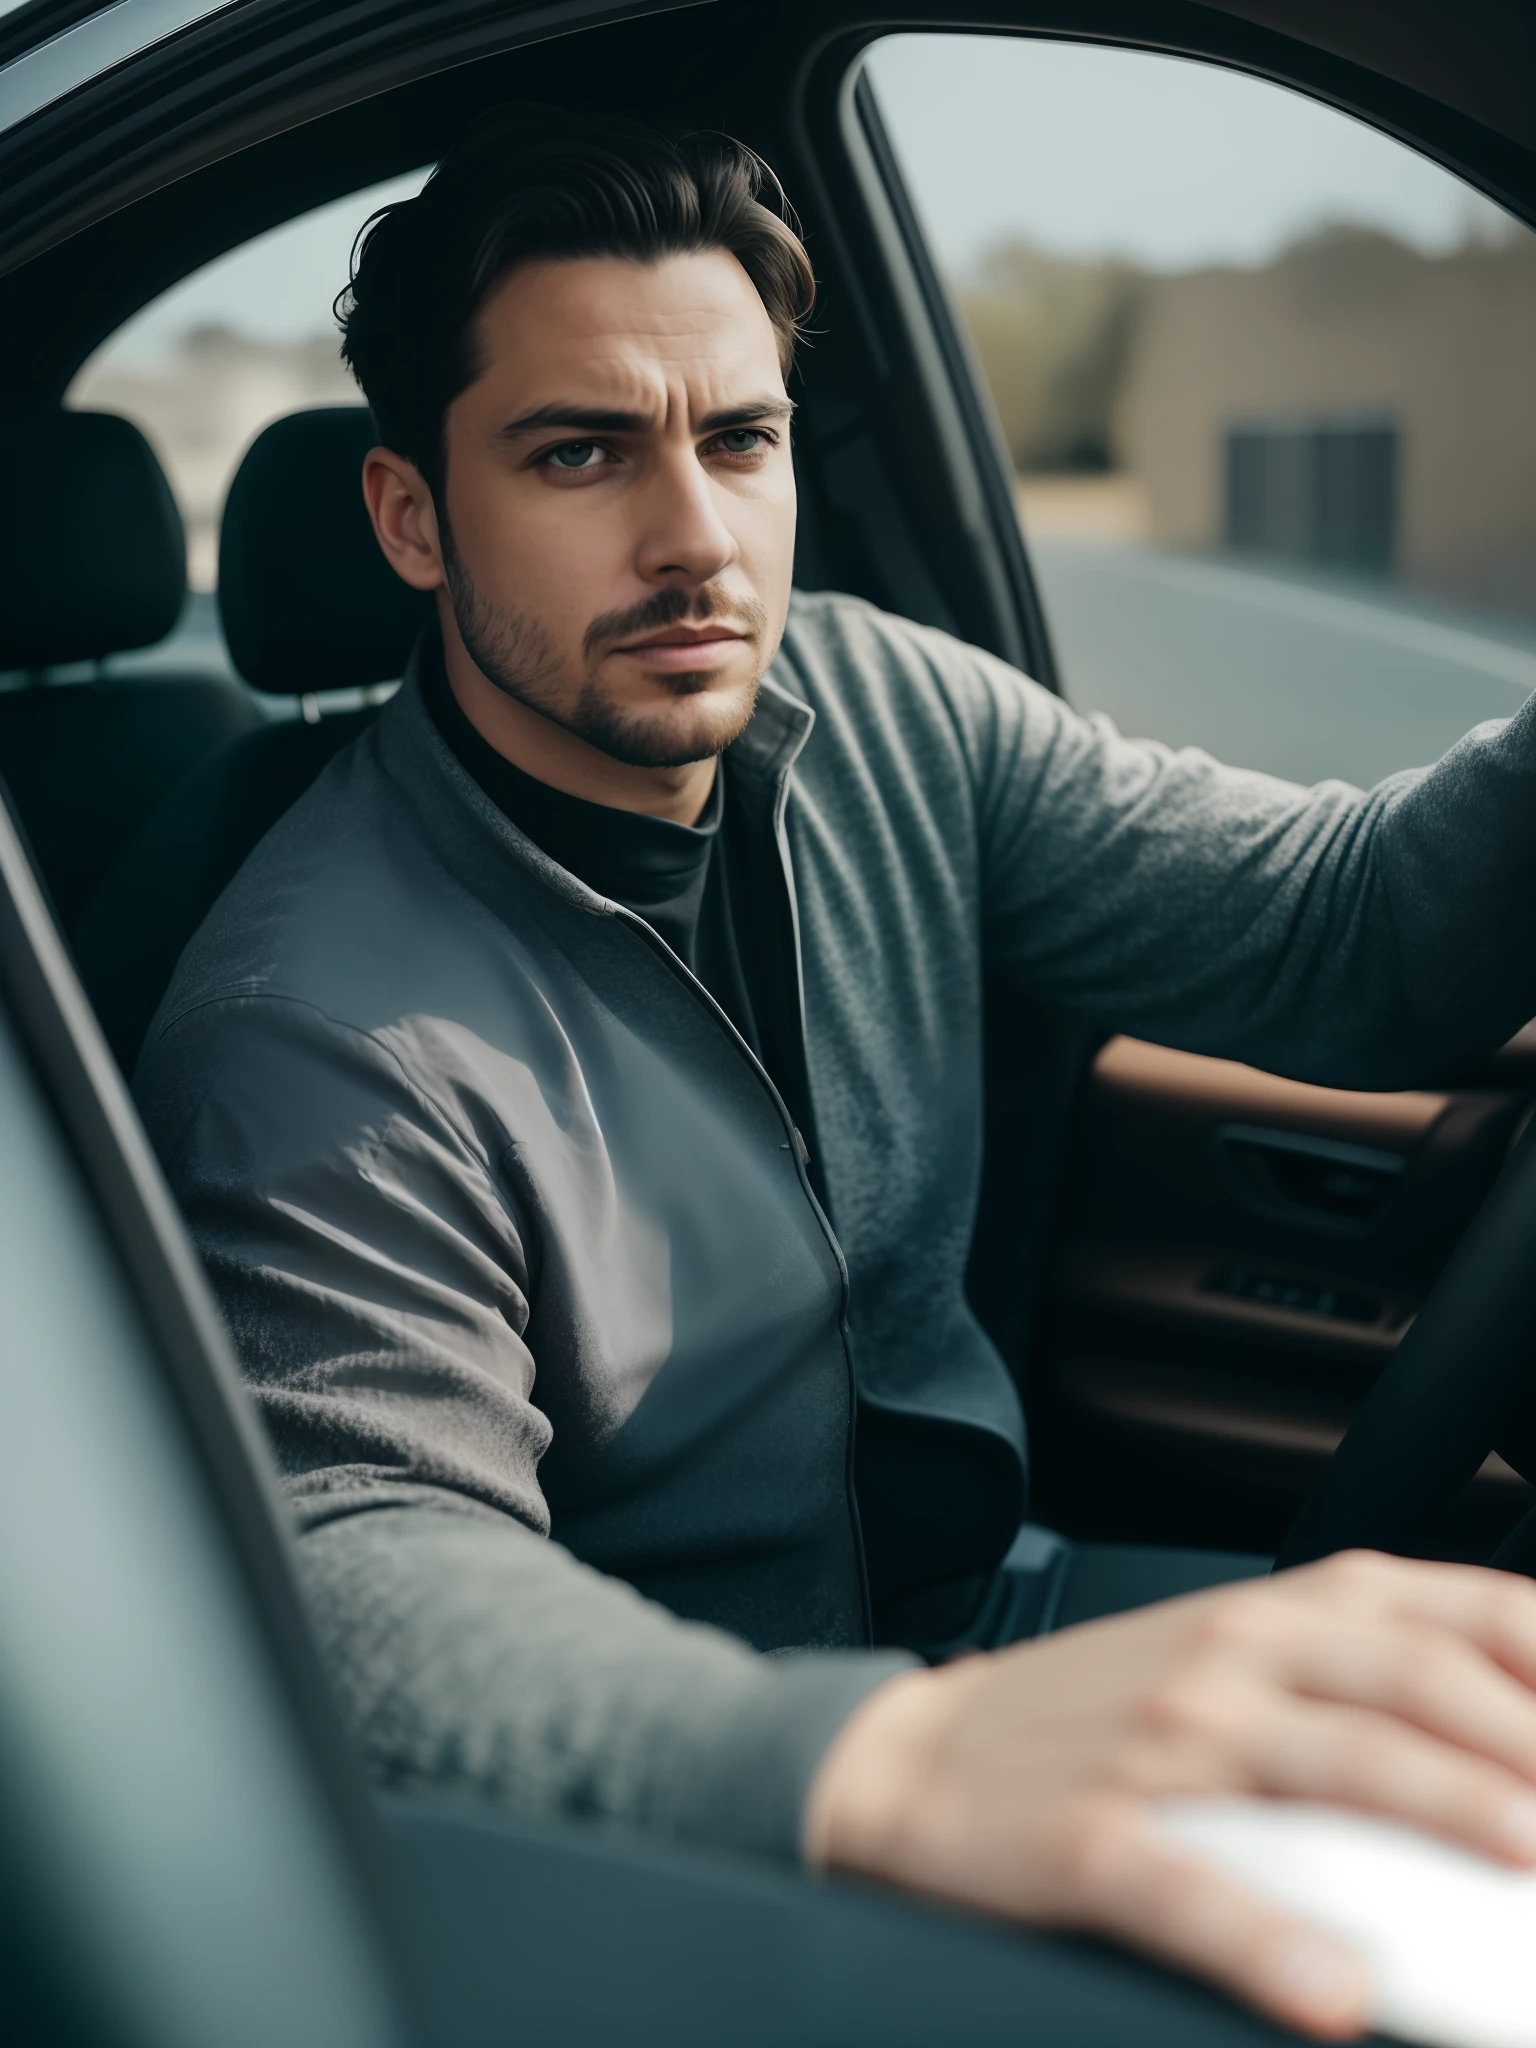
531 182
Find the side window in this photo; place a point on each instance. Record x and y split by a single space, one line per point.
202 369
1268 381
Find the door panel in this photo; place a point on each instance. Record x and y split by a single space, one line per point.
1239 1256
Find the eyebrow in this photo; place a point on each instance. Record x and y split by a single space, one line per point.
586 419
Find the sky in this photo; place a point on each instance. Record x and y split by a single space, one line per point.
1096 152
1084 150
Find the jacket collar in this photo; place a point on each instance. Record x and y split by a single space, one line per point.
778 730
470 831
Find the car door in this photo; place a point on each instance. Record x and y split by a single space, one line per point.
1264 381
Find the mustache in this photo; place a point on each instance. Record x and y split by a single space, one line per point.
673 607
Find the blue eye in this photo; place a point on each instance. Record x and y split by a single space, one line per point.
574 454
741 440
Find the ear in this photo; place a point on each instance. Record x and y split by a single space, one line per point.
404 518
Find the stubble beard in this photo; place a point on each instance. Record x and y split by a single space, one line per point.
515 654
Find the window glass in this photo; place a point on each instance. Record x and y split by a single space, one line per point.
228 350
1268 381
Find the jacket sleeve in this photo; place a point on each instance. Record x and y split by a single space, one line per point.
374 1280
1370 939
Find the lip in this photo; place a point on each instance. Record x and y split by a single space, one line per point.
680 636
683 647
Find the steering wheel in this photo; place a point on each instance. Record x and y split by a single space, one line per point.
1455 1381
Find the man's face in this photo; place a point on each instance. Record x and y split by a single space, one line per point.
620 502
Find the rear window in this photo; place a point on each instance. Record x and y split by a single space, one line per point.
250 337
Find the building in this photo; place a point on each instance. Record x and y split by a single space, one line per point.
1355 402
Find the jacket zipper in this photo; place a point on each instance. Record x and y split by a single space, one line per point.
796 1147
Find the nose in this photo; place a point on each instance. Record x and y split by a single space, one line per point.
683 538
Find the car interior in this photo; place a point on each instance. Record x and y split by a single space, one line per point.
1198 1272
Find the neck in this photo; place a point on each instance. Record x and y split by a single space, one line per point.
564 760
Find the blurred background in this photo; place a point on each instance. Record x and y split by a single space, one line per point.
1266 377
1268 382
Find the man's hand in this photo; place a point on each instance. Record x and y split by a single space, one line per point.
1020 1782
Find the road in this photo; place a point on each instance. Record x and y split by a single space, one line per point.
1305 679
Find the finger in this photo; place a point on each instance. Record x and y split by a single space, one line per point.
1352 1756
1429 1679
1116 1878
1494 1610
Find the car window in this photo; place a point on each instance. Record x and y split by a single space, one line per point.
203 368
1268 381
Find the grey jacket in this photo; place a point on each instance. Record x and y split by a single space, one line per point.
514 1236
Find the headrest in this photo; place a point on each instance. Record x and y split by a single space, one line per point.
94 553
307 600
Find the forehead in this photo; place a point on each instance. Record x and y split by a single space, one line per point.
614 321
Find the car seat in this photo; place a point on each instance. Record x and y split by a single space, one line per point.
308 605
95 565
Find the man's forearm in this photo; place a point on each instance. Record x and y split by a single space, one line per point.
469 1653
1356 939
1458 869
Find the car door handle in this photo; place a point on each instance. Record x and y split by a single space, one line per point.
1316 1180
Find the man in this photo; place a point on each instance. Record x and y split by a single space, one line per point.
516 1088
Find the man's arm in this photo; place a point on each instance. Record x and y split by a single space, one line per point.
469 1654
1358 939
374 1277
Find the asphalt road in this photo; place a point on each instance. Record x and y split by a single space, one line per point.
1305 679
